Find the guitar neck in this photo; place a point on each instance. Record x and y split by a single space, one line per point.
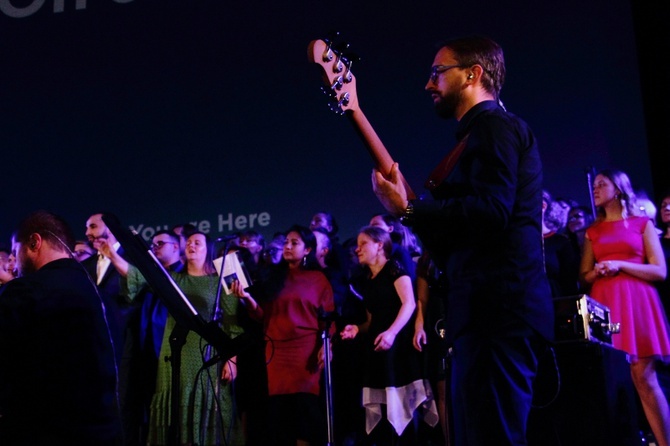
375 146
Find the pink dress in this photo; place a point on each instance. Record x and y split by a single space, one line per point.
632 301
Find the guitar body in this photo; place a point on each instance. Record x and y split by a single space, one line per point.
341 87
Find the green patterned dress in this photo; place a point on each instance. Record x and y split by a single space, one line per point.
206 422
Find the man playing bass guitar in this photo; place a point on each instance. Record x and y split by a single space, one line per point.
482 226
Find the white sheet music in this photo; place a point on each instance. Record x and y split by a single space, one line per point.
232 270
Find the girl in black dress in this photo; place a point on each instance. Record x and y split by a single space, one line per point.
393 378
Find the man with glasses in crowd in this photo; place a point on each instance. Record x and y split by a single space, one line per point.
144 334
151 326
482 227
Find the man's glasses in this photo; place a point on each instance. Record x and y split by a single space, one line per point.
436 70
159 244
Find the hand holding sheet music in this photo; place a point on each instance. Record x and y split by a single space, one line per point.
233 269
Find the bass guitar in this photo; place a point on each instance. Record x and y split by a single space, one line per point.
340 86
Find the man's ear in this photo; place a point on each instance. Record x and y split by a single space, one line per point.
35 242
476 72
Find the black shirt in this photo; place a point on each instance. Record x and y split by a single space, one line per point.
483 226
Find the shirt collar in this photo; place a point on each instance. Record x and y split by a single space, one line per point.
465 123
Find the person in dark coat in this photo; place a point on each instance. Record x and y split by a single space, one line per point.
58 375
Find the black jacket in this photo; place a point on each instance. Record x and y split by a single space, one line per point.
57 368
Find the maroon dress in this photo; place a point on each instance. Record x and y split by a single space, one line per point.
291 322
632 301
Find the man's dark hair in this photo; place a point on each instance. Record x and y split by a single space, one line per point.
50 227
174 237
397 236
330 218
480 50
187 229
660 209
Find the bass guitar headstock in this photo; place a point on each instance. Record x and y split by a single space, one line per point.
336 61
340 82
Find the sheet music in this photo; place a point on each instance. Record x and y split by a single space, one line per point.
232 270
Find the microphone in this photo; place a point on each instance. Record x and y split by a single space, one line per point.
226 238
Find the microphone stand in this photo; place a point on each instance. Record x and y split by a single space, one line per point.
215 318
177 342
446 353
590 175
328 319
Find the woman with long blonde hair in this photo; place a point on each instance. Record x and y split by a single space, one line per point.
622 257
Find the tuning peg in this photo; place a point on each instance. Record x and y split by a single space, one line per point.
338 50
327 54
344 100
337 84
348 60
329 39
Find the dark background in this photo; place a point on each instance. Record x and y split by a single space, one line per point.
165 111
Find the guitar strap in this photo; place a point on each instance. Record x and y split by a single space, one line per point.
447 164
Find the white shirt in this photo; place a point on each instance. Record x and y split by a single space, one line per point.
103 264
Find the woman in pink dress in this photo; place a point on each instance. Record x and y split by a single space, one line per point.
622 256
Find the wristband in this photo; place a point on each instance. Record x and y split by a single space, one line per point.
407 217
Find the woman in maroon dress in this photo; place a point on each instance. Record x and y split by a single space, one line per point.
622 256
289 303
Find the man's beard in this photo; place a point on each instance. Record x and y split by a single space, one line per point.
95 241
26 266
446 106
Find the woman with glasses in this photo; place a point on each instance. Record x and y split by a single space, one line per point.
622 257
271 255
